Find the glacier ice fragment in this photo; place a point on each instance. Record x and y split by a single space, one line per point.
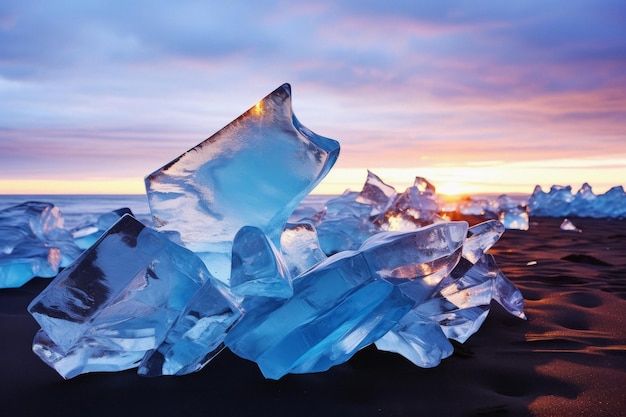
346 302
197 335
33 243
116 300
253 172
300 247
561 202
567 224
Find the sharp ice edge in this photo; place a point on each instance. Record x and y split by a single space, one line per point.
371 267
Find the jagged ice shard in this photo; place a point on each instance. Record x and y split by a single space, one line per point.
224 268
253 172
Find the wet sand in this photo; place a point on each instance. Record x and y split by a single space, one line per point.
567 359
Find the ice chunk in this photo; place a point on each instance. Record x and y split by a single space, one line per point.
419 339
513 215
86 235
258 270
480 238
346 302
567 224
253 172
376 194
33 243
416 207
458 305
116 301
300 247
561 202
198 334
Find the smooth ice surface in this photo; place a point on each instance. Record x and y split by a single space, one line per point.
253 172
116 301
346 302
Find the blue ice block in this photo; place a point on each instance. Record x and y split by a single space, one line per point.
198 334
253 172
117 299
346 302
33 243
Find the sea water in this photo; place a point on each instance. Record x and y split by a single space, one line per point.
78 209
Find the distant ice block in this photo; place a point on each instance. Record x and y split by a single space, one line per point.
253 172
513 215
416 207
567 224
86 235
347 301
116 301
561 202
33 243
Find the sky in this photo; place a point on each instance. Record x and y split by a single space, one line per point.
476 96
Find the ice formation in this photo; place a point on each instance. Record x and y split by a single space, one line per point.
561 202
265 154
33 243
567 224
116 301
225 269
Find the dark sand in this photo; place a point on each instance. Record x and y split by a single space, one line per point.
568 359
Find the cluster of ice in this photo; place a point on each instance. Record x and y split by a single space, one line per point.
223 267
561 202
35 243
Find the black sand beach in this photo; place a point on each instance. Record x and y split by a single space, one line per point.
567 359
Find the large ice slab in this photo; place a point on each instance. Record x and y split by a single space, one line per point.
253 172
347 301
116 301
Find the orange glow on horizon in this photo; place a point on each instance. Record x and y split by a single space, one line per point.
95 186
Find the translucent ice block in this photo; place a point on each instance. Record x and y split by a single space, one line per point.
346 302
117 299
253 172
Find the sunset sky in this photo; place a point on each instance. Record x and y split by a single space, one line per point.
476 96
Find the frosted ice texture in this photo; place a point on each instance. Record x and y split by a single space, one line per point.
116 301
253 172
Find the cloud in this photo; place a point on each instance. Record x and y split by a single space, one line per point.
398 83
